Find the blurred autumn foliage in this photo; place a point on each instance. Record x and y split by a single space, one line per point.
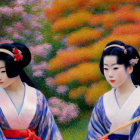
84 27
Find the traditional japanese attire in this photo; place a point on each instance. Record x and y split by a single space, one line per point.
107 116
33 118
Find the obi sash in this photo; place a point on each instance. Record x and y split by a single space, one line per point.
118 137
28 134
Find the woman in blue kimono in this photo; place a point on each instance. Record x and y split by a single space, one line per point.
24 112
120 65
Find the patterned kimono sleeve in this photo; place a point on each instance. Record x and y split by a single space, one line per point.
96 127
136 136
135 129
48 129
2 137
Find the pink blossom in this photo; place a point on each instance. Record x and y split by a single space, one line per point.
6 10
64 40
35 8
28 32
56 111
64 112
31 2
134 61
19 26
9 30
62 105
5 41
73 110
35 24
17 36
42 65
39 38
62 89
70 111
41 50
54 100
38 73
71 48
18 10
50 81
65 116
21 2
59 51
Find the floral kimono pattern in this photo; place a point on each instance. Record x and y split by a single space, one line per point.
34 113
107 116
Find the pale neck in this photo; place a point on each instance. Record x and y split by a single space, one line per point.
16 85
126 87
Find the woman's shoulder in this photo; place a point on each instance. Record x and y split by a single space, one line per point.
33 90
109 92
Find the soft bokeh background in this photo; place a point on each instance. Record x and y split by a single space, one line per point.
66 38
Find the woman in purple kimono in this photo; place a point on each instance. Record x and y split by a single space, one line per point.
24 112
120 65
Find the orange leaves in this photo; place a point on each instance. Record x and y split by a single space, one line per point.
78 21
67 58
75 56
59 7
127 38
125 13
137 16
74 20
83 35
106 20
76 93
95 92
127 29
84 73
131 39
93 3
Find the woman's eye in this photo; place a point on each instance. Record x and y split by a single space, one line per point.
105 68
115 68
3 71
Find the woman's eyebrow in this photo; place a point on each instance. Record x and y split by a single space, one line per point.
111 64
106 64
2 67
114 64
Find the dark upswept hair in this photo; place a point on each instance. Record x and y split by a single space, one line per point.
123 58
15 68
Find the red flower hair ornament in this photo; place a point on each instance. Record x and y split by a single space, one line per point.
17 54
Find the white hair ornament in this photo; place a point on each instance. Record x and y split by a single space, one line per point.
134 61
116 45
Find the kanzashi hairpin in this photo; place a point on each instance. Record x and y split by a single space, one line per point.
134 61
17 54
119 46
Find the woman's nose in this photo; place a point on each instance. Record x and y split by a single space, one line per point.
110 74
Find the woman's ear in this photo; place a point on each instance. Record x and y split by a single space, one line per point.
130 69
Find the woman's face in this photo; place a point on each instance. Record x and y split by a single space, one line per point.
5 81
115 74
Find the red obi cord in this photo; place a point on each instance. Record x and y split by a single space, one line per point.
106 138
28 134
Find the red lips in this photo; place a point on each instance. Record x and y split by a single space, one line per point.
112 81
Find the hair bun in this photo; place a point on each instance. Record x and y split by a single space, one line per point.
25 52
